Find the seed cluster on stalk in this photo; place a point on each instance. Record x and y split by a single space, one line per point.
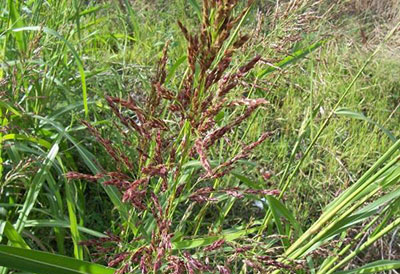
187 131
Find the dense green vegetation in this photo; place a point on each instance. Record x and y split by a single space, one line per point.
249 137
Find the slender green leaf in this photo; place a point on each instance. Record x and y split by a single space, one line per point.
20 137
196 8
173 68
89 160
17 22
12 235
133 20
356 115
47 263
10 108
228 235
248 182
61 223
297 55
35 187
282 211
78 60
374 267
279 224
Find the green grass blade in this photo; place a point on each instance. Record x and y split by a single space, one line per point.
174 67
78 250
279 224
20 137
89 160
64 224
248 182
47 263
15 239
35 187
297 55
16 22
10 108
282 211
78 60
356 115
374 267
133 20
56 207
228 235
365 245
73 220
68 108
196 7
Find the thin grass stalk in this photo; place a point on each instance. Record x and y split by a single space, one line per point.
3 123
343 251
36 186
3 54
325 124
323 232
77 19
203 210
73 220
311 101
302 131
185 152
58 210
231 201
298 248
393 207
369 242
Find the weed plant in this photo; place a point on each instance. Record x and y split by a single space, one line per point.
176 157
168 131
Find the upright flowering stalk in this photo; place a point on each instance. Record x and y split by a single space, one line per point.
154 182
